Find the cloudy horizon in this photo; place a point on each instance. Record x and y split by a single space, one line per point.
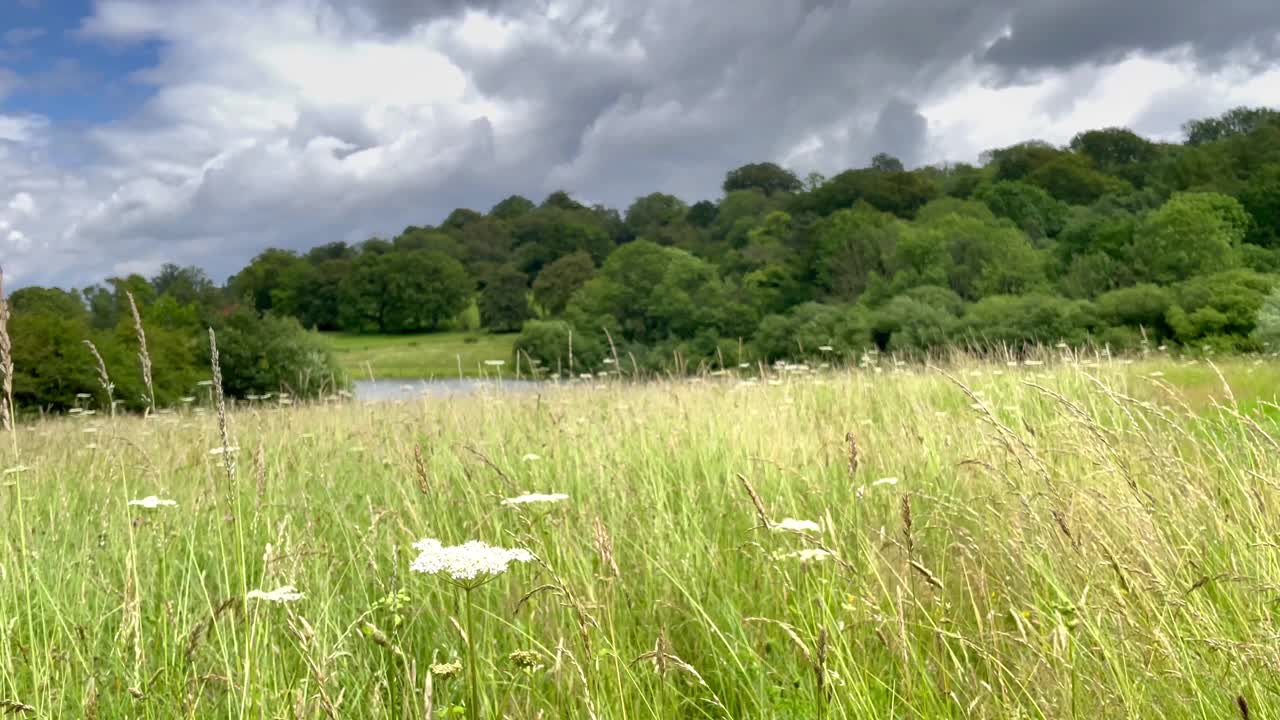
139 132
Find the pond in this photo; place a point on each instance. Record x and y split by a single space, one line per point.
409 389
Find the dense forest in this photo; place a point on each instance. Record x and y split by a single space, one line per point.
1112 240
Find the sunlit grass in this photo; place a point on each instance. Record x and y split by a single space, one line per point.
1015 542
431 355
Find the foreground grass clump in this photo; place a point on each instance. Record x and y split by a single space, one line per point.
996 542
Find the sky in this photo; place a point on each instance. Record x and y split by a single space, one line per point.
139 132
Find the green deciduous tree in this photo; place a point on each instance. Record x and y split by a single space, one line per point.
850 246
403 292
766 177
559 280
1032 209
1191 234
504 302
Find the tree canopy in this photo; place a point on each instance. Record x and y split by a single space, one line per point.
1113 238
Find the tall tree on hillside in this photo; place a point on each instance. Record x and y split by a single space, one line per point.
1236 121
767 177
558 281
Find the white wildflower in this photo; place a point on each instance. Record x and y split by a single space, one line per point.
809 555
885 481
153 502
531 457
533 498
794 525
470 564
282 594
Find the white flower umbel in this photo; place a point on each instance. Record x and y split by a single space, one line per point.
809 555
469 565
535 499
800 526
152 502
282 594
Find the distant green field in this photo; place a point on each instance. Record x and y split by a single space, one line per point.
432 355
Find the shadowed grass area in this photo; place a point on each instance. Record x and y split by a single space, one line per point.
997 542
432 355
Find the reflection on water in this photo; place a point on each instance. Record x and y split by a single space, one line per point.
407 389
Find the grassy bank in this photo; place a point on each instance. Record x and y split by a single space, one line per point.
433 355
1007 542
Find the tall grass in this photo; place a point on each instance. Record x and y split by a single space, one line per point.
1073 541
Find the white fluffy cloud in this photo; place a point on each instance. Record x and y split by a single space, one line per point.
300 122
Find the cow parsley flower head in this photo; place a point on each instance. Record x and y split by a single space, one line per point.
282 594
152 502
535 498
800 526
470 564
809 555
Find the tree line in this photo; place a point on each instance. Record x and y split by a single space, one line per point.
1112 239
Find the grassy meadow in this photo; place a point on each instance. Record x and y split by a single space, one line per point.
1084 540
429 355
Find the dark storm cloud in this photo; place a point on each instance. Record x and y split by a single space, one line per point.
609 99
403 15
900 130
1052 34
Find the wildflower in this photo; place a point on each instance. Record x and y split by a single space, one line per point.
282 594
152 502
794 525
525 659
532 498
885 481
447 670
809 555
530 457
469 564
